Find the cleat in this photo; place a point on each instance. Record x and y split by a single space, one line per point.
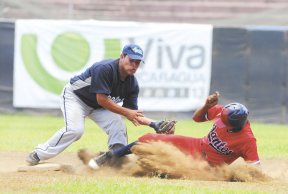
97 162
32 159
92 164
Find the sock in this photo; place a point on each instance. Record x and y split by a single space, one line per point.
125 150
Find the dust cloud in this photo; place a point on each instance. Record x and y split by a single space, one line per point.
166 161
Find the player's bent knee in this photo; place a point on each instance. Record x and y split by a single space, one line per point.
77 134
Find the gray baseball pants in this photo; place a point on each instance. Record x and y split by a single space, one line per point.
75 111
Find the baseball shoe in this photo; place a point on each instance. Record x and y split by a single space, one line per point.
97 162
32 159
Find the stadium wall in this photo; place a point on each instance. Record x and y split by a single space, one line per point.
249 65
6 66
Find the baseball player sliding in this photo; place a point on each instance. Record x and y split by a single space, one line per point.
231 137
96 93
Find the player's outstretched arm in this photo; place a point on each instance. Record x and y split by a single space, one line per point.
161 127
136 116
212 100
108 104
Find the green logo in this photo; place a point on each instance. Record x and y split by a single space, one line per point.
70 52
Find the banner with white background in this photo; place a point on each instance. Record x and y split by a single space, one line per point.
175 76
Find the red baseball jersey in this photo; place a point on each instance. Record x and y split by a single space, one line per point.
219 146
223 146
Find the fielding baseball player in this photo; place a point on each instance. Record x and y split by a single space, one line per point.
230 137
95 94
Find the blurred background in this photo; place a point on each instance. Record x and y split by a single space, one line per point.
216 12
249 45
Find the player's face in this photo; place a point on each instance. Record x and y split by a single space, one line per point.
129 66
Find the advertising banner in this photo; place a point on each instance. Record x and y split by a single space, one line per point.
175 76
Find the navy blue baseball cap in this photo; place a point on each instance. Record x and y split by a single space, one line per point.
134 52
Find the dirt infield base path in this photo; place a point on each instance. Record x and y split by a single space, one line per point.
11 161
12 181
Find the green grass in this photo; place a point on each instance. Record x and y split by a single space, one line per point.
143 185
23 133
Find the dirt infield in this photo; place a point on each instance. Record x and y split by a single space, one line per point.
277 170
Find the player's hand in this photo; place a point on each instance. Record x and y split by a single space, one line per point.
163 127
133 116
212 100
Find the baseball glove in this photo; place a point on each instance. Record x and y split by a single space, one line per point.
164 127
